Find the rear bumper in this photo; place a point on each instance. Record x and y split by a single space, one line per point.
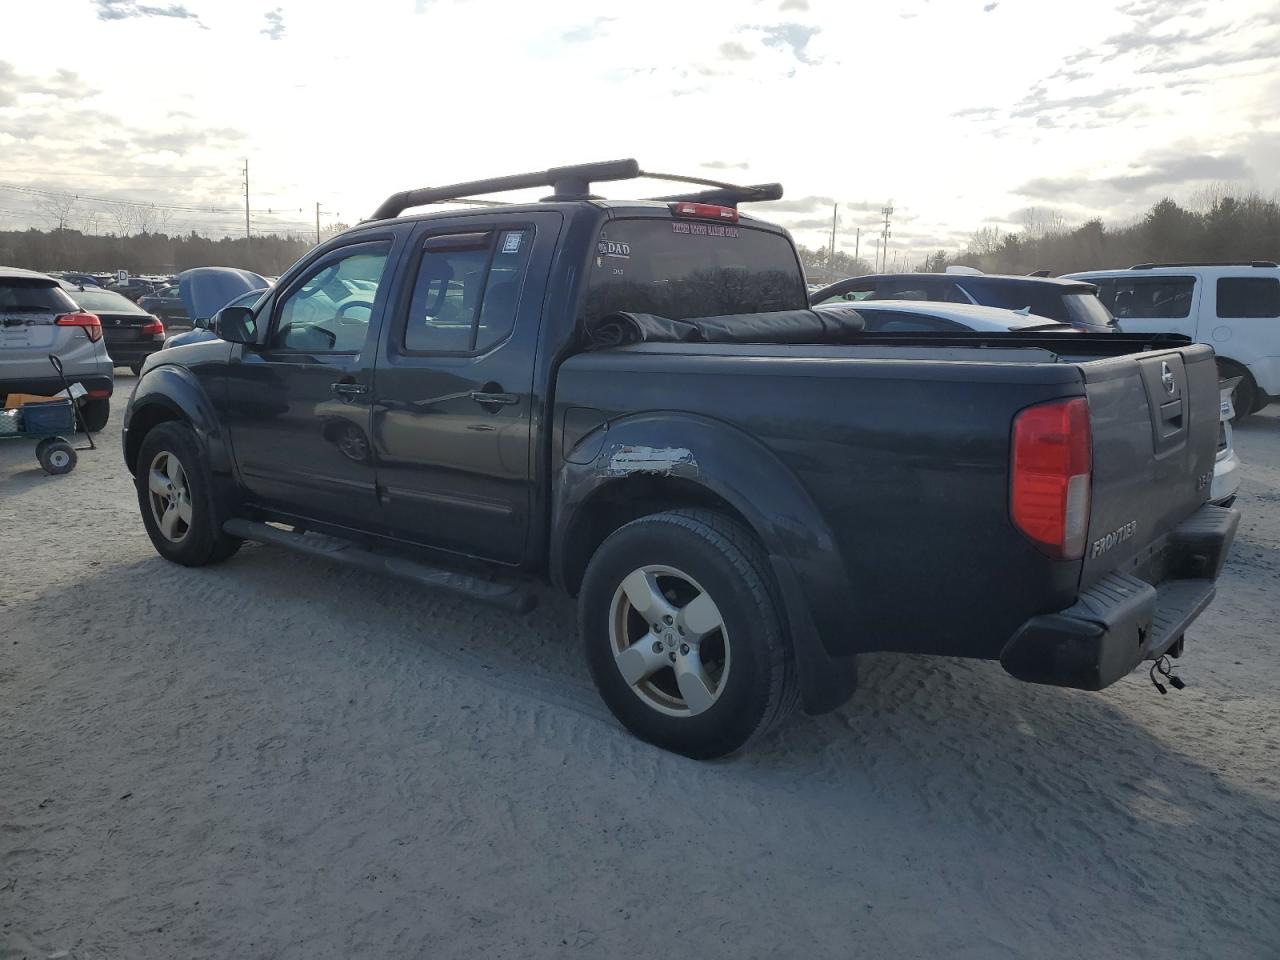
1122 620
48 386
133 351
1226 478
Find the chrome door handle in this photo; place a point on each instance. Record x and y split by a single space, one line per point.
497 399
347 388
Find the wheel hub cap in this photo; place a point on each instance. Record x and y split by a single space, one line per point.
669 640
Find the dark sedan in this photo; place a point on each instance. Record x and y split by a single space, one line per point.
133 288
166 303
131 333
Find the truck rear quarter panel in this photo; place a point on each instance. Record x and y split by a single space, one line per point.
906 462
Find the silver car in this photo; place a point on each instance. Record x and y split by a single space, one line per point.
37 319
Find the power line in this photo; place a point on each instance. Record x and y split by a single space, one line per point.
186 208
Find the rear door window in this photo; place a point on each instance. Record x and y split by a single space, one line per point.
466 290
692 268
1248 297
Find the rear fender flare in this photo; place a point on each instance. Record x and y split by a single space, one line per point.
748 476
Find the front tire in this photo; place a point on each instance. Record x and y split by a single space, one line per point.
683 633
175 496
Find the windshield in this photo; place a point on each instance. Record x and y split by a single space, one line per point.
105 301
692 268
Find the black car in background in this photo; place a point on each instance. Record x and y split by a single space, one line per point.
166 303
134 288
1066 301
131 333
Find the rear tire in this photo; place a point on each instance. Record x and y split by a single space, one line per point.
95 413
701 570
136 369
176 498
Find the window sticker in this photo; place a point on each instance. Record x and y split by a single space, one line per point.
511 241
614 248
703 229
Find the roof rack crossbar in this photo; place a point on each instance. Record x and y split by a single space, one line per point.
574 183
1262 264
569 183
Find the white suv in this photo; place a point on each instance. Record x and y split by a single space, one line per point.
1233 307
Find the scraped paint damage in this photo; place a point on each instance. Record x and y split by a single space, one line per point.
625 460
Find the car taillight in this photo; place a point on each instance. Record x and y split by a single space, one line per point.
153 326
705 211
1052 465
92 325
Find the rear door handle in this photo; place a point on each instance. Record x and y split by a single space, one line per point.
496 399
347 388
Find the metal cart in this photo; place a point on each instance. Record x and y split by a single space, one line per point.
46 422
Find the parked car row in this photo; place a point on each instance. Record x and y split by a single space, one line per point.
1226 305
92 330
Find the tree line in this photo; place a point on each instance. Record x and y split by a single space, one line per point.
148 253
1216 225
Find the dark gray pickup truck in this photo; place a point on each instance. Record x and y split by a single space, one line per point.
631 399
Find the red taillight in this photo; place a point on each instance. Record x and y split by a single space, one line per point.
92 325
705 211
1051 466
153 326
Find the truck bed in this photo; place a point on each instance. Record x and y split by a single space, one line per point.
902 446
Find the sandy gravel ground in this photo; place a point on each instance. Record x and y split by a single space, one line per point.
276 758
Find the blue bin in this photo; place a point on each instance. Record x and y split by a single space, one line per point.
49 416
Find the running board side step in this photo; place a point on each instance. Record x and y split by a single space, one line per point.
509 596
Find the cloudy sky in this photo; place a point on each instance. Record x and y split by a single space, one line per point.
963 112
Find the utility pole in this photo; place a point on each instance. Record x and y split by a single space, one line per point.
831 264
857 244
317 223
248 236
887 211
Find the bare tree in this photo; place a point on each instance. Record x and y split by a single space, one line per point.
57 210
122 214
145 218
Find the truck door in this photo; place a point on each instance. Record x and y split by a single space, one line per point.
453 404
298 405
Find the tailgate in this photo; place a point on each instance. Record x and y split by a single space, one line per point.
1154 418
22 331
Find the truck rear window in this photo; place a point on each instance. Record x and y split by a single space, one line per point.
692 268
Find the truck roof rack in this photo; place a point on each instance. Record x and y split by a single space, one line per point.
574 183
1265 264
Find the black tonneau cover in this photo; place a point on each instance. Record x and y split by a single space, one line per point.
781 326
845 326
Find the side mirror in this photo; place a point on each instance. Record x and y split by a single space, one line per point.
237 325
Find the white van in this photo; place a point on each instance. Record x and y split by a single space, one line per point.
1233 307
